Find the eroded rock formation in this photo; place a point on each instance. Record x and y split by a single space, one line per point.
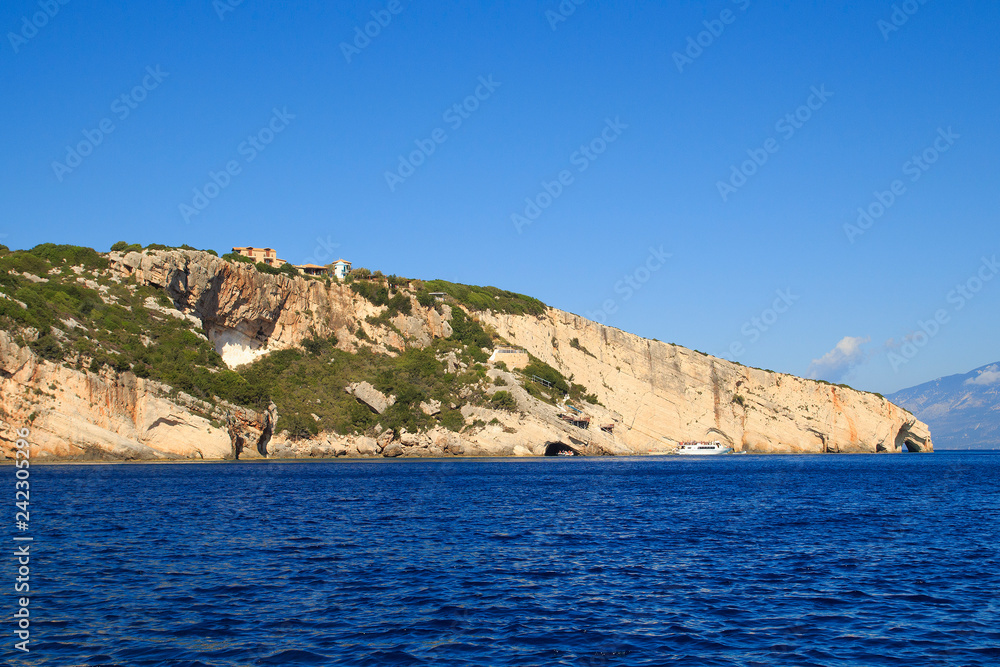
652 394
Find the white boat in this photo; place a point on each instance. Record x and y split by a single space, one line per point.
703 448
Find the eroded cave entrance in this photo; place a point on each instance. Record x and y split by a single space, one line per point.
909 443
560 449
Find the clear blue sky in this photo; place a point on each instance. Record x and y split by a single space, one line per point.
678 126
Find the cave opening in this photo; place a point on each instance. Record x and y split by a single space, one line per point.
560 449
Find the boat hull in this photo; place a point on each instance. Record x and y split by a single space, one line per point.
705 452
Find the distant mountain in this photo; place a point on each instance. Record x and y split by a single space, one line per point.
963 411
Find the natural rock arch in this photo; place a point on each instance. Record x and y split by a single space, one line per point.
909 442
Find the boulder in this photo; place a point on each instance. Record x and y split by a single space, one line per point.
370 396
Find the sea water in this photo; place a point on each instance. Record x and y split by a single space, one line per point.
728 560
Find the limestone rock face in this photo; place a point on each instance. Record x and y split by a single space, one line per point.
250 431
660 394
652 395
246 313
84 415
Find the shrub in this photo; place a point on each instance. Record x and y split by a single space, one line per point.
503 400
70 254
575 344
237 257
466 330
488 298
315 345
289 270
374 293
47 347
299 427
544 371
452 420
267 268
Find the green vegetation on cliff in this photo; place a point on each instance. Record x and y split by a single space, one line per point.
89 321
78 313
487 298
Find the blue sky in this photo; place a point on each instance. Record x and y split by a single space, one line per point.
641 109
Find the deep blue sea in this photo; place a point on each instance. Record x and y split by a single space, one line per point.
739 560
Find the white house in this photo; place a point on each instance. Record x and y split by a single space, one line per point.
341 268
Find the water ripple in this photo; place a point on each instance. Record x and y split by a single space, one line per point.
833 560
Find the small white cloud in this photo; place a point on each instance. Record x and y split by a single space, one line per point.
989 376
836 363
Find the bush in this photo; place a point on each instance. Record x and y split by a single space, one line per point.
425 299
372 292
488 298
466 330
267 268
547 373
237 257
315 345
47 347
70 254
289 270
503 400
299 427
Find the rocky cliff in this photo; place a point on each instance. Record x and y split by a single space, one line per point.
647 395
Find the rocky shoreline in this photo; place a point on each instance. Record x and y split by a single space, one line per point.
647 395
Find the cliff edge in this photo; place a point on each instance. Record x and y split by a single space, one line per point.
305 343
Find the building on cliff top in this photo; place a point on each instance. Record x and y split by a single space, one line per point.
341 268
267 255
312 269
